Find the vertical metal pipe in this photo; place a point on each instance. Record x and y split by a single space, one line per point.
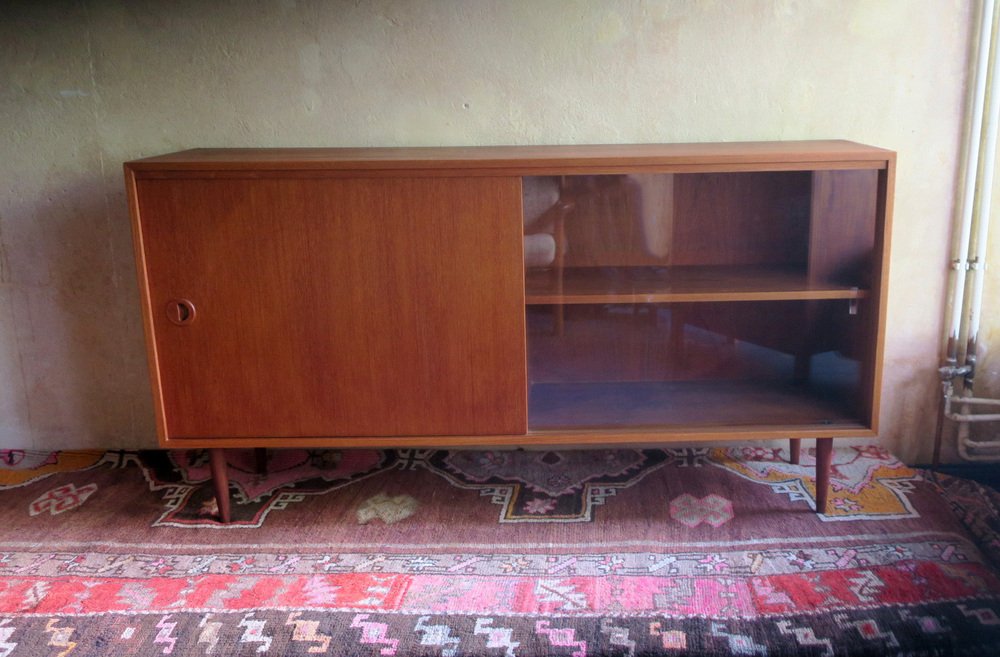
983 209
961 254
960 261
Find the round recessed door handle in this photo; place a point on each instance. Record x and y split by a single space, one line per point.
180 311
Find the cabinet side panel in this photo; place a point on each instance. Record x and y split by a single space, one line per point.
842 227
347 307
846 226
880 285
143 284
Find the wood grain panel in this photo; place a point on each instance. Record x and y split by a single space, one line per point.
842 227
528 160
349 297
644 405
843 249
568 438
687 284
741 219
604 227
875 334
337 307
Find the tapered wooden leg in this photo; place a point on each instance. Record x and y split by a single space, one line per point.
261 454
824 453
794 450
220 480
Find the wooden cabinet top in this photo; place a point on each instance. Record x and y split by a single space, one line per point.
527 160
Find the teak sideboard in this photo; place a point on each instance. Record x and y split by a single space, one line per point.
513 296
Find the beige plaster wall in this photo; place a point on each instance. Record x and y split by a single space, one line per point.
86 85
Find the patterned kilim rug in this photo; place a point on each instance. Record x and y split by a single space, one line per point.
712 551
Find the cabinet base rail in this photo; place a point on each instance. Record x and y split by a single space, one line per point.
220 472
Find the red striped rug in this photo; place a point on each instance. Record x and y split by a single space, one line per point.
413 552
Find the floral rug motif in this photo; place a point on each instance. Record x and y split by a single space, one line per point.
564 486
865 482
19 467
184 476
399 554
977 505
546 486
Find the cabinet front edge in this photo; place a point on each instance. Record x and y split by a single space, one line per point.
529 440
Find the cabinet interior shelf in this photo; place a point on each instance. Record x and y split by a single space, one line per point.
590 405
596 285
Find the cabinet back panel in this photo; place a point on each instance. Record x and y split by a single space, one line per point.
691 363
328 307
741 218
656 219
683 341
842 230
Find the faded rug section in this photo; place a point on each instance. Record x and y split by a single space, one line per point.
530 486
710 551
